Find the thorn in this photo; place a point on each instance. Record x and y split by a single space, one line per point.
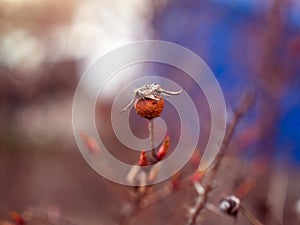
128 106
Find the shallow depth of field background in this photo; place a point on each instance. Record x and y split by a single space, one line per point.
45 46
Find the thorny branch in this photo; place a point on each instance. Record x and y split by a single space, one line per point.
203 199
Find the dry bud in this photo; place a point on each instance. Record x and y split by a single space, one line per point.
143 159
90 143
197 176
163 149
17 218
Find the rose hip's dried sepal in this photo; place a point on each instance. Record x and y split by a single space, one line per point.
149 108
163 149
143 159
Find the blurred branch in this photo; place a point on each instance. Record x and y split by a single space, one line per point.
274 77
277 194
203 199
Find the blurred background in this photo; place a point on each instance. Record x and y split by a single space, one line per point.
45 46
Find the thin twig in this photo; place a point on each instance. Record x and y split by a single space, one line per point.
249 216
151 135
277 194
133 207
202 200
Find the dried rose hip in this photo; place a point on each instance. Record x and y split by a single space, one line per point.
149 108
148 101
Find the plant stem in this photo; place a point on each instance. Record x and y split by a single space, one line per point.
250 217
202 199
151 135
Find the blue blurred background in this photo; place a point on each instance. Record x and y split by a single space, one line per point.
248 45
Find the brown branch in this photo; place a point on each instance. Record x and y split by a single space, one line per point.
202 199
249 216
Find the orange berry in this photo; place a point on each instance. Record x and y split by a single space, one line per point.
149 108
